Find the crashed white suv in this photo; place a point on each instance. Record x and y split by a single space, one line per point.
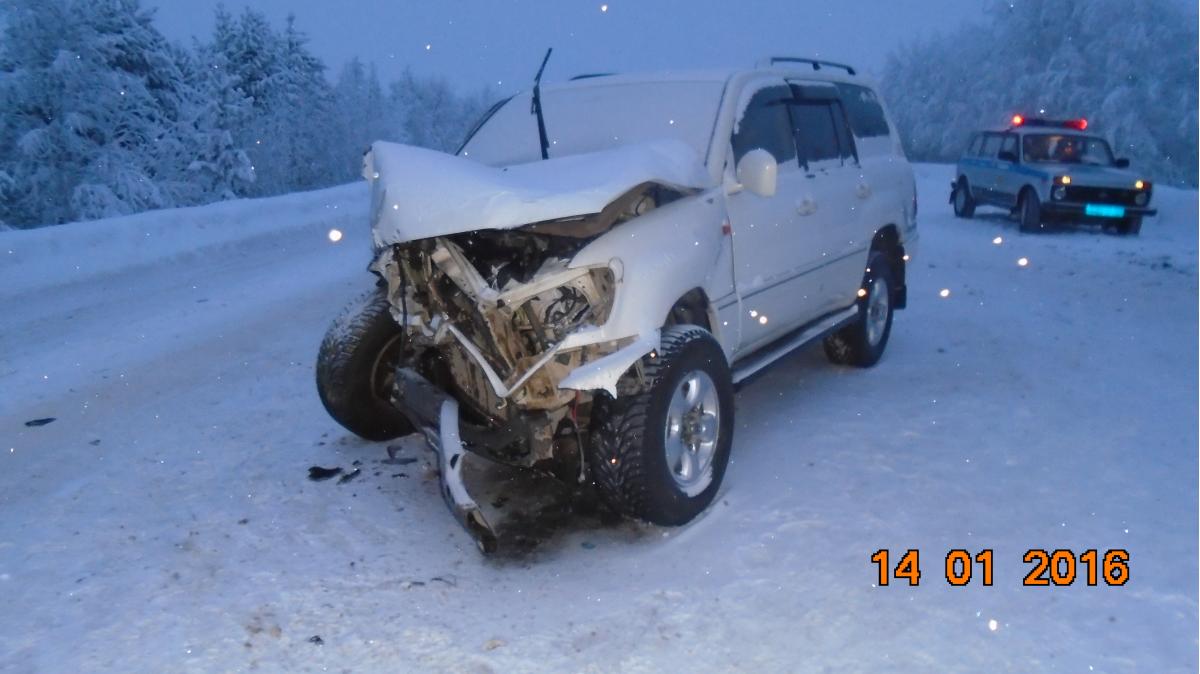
588 314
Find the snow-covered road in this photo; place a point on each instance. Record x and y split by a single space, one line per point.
164 520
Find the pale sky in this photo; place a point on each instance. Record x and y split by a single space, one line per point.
501 42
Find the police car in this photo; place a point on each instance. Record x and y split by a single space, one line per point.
1046 170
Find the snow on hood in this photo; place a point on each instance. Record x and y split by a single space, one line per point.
418 193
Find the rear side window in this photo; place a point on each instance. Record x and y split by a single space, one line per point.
765 125
816 131
991 145
975 146
863 108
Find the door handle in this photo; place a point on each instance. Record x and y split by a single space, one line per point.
863 190
806 206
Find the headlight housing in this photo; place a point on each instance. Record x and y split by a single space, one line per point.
555 312
1141 198
1059 193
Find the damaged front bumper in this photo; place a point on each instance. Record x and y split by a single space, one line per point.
435 414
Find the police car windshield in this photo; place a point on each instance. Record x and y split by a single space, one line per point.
1059 148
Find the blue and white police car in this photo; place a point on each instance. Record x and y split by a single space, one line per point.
1046 171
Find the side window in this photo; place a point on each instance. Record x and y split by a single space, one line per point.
1009 143
765 124
863 108
816 134
844 135
991 145
976 145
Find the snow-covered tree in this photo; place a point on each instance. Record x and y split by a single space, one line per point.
220 166
1130 68
300 129
100 116
364 114
92 94
431 114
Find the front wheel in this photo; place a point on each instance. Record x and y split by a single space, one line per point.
1131 226
1030 211
356 369
659 454
862 342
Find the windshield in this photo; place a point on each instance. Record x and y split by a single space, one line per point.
1061 148
598 117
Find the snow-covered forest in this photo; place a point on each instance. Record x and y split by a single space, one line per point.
100 115
1130 68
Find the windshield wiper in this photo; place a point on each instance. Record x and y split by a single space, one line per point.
537 107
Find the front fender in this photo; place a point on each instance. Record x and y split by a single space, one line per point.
662 256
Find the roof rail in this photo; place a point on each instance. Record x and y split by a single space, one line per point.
588 76
815 63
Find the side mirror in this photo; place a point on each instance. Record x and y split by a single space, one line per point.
1007 156
1121 163
758 172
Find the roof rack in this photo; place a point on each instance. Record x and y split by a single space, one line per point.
815 63
588 76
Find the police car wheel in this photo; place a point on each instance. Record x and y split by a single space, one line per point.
1130 226
964 205
1029 211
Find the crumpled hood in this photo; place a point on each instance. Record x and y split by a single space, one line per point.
1091 176
418 193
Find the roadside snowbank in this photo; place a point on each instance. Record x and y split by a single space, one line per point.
51 256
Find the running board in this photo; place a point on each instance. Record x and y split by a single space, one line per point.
744 369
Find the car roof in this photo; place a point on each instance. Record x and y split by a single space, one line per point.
1054 130
611 79
726 75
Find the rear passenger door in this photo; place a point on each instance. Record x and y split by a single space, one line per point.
832 195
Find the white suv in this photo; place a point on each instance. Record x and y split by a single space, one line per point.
579 288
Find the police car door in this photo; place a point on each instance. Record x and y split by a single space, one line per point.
1006 181
772 248
830 203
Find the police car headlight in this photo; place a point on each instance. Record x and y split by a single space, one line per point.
1059 193
1141 198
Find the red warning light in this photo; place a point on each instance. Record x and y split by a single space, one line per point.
1017 120
1080 124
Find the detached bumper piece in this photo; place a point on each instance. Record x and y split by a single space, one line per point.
436 415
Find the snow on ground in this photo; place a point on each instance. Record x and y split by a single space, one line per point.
164 520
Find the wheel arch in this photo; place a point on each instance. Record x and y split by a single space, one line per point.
887 241
694 308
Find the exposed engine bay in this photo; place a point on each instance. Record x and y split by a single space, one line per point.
487 315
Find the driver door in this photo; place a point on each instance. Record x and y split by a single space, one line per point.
770 248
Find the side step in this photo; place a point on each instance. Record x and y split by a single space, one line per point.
748 367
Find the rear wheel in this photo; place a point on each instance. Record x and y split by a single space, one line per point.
659 454
862 342
964 204
1029 211
356 368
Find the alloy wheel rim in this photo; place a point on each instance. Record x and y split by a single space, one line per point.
693 425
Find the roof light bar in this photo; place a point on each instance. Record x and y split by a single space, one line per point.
1080 124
